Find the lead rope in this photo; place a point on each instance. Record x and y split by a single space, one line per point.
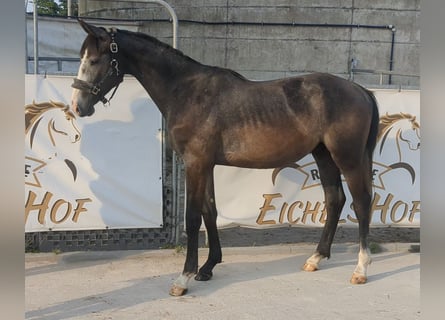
106 101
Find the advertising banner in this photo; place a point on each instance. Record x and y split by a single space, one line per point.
104 171
98 172
293 195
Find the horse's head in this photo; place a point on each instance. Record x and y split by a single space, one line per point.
98 71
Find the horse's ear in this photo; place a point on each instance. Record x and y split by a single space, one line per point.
97 32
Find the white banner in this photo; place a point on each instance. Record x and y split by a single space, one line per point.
91 173
293 195
104 171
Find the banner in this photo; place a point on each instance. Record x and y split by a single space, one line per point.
98 172
104 171
293 195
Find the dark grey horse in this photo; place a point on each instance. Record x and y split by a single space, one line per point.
215 116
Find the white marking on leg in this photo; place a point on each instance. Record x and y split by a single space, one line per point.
312 262
182 281
364 260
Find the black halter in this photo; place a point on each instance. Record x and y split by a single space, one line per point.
95 88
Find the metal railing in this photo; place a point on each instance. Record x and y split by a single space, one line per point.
59 60
381 73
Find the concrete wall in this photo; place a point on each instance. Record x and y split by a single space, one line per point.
261 51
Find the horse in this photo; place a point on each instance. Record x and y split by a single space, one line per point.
215 116
54 120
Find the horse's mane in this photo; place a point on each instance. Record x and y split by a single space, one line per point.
157 43
34 110
167 49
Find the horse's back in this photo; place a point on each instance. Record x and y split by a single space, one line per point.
315 101
301 112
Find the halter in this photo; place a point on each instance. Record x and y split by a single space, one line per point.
95 88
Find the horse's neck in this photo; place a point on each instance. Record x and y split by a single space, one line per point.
158 69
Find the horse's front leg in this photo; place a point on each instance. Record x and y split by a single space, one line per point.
196 185
209 214
193 223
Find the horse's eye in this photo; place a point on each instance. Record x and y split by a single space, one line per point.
94 61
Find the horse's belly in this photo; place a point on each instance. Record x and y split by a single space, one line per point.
266 148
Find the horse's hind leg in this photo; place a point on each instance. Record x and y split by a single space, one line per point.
334 199
360 185
210 214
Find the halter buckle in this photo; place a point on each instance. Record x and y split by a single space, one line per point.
113 47
95 90
115 65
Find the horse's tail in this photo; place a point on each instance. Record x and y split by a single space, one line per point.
374 128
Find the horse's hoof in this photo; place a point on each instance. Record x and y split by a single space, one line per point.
358 278
177 291
310 267
203 276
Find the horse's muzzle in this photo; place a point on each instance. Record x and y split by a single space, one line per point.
82 112
86 113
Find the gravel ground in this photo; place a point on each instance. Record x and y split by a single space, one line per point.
252 283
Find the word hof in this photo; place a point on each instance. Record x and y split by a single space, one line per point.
59 210
298 212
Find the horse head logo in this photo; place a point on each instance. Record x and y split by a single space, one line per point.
405 128
55 121
54 117
399 134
